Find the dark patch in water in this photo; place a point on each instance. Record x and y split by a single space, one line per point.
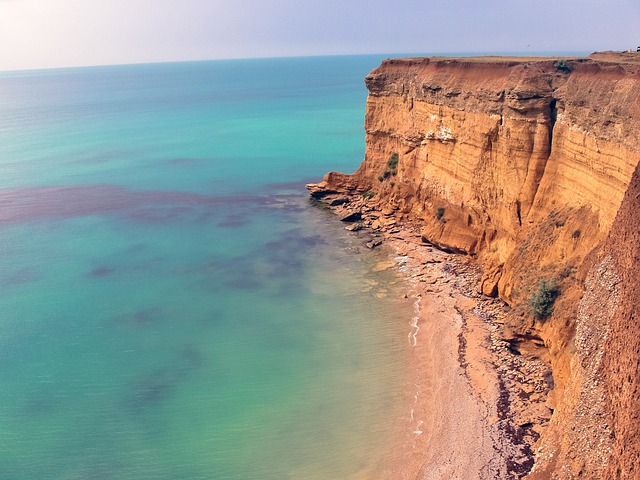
20 277
39 405
141 318
101 272
295 238
242 283
184 161
137 247
149 389
103 157
159 215
287 254
293 208
234 221
278 264
191 357
148 264
213 317
60 202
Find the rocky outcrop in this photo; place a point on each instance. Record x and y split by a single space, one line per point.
524 163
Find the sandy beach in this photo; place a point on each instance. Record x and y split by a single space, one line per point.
461 417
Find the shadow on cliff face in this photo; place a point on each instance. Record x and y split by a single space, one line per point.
621 373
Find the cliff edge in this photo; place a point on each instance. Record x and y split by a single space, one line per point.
527 164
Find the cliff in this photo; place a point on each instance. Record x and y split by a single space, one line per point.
524 163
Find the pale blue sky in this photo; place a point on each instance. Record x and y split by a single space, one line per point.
52 33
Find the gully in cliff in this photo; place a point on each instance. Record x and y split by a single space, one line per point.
521 165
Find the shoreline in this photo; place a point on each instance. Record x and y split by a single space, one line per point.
466 410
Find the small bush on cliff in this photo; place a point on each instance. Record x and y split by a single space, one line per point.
562 66
368 194
541 302
392 163
439 213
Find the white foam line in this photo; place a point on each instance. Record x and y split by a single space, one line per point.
417 431
414 323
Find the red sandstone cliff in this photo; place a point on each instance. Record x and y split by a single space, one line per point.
524 163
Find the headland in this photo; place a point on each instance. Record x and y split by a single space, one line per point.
508 188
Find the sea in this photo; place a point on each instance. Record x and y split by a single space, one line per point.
172 304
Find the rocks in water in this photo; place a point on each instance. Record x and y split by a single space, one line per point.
354 227
334 202
374 242
319 190
381 266
351 216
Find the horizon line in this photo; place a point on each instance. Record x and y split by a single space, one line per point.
276 57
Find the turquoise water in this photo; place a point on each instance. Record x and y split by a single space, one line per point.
171 305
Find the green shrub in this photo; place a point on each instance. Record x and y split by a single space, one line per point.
368 194
541 302
439 212
380 178
562 66
392 163
575 234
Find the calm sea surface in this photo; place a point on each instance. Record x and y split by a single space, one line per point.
171 305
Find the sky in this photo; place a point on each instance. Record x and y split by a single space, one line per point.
61 33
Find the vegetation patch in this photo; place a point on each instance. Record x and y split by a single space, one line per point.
392 167
368 194
562 66
439 213
392 163
541 301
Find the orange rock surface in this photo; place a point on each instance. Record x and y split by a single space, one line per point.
524 163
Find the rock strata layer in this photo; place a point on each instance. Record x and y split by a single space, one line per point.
524 163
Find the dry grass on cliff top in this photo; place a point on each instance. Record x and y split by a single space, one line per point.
612 57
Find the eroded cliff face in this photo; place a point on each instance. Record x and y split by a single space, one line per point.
524 163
